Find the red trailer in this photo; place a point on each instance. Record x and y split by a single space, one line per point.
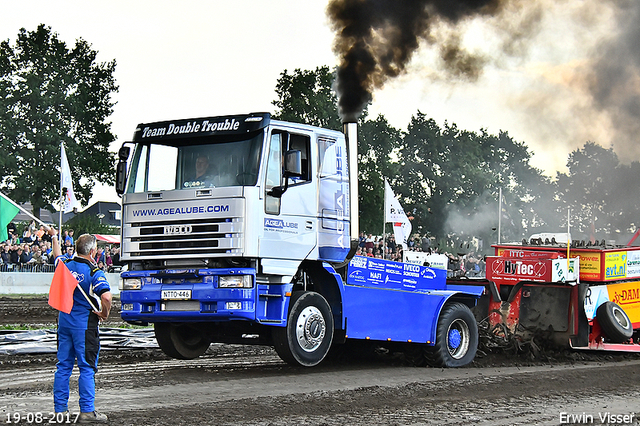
590 300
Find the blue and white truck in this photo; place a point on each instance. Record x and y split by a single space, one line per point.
242 229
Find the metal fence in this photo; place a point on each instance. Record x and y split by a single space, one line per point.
33 267
28 267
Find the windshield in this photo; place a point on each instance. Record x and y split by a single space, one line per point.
184 165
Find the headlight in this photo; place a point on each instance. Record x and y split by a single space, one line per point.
131 284
235 281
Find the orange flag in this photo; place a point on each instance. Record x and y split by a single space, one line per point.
62 287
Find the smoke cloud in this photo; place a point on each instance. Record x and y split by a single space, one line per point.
615 79
594 95
375 40
473 221
576 65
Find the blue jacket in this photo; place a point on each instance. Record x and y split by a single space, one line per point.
93 282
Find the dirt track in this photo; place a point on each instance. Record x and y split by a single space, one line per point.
250 385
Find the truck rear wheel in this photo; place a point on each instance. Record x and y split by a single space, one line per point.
180 341
456 337
614 322
307 338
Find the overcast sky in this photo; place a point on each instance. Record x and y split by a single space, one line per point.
197 58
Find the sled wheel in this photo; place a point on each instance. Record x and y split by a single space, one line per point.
456 337
180 341
307 338
614 322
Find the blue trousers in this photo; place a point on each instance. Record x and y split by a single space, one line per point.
83 346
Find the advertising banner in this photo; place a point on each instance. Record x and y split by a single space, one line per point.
615 265
589 265
366 271
626 295
633 264
510 270
435 260
503 270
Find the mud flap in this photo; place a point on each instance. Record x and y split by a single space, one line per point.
581 323
545 307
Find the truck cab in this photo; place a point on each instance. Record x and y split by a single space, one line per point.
237 229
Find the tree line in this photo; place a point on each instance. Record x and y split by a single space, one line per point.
447 179
53 93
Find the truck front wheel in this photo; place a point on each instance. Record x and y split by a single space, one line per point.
180 341
456 337
307 338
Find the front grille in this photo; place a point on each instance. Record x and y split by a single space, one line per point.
184 238
178 244
180 305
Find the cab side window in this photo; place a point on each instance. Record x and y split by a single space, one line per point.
274 174
281 142
301 143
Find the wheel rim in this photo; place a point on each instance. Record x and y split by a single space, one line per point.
620 317
310 329
458 338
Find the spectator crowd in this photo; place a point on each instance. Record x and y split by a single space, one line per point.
32 251
460 264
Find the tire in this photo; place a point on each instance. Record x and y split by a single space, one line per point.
614 322
180 341
307 337
415 355
456 337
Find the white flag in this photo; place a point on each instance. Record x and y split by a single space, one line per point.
70 201
393 212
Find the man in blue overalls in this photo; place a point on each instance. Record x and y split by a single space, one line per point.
78 337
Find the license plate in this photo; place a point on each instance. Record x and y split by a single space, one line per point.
176 294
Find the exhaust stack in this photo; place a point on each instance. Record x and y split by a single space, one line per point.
351 134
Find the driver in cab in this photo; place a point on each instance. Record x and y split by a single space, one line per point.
202 176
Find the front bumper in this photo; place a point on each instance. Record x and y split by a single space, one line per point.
207 302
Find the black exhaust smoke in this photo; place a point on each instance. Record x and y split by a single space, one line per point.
375 39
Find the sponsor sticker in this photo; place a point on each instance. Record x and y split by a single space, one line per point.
279 225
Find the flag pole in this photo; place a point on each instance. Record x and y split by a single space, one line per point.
568 233
384 238
25 211
499 215
384 221
61 193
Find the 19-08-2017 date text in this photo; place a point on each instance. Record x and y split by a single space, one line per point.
41 418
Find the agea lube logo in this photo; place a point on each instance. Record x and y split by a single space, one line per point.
279 225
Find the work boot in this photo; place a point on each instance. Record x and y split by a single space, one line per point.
92 417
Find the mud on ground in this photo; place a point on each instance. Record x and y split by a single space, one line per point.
34 311
235 384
